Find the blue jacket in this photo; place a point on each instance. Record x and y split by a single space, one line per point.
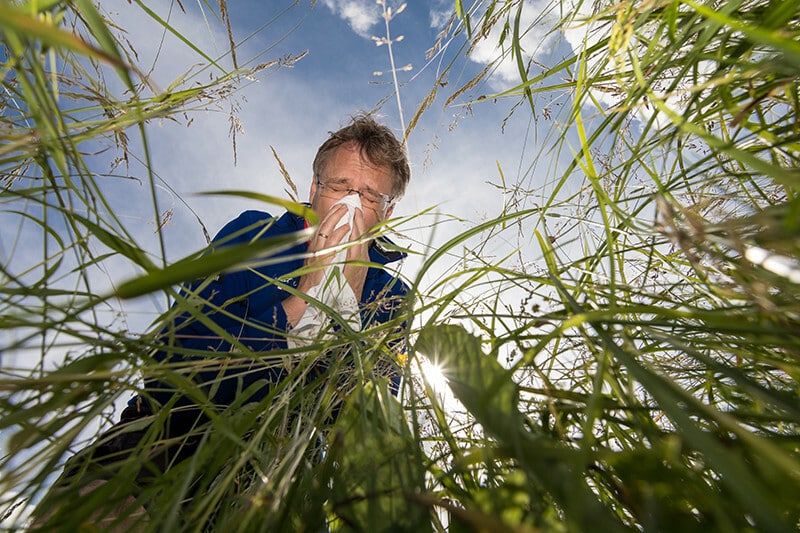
258 319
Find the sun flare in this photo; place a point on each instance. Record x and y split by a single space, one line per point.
434 376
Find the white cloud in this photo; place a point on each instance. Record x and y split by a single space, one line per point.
361 15
583 34
535 40
440 13
587 31
440 18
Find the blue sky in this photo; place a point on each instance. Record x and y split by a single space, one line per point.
455 150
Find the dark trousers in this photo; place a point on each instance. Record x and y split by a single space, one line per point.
112 451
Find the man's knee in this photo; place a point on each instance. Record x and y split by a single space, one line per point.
114 512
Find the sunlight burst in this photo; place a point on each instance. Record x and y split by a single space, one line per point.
434 375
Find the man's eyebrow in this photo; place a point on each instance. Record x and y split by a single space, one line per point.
346 180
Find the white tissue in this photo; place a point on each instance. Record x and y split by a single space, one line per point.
334 291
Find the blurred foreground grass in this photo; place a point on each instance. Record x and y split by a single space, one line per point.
634 368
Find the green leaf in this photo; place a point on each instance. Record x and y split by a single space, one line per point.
377 470
477 380
14 19
221 260
491 396
293 207
116 243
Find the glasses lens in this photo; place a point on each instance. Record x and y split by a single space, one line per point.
337 188
374 199
371 197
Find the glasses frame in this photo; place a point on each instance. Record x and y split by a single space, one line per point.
387 200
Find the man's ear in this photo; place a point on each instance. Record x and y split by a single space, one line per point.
389 212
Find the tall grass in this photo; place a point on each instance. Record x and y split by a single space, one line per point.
656 348
632 365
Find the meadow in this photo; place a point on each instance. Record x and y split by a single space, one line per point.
632 365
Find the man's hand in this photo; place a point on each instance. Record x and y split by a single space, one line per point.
320 257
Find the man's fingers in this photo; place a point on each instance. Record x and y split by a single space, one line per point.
339 235
332 218
358 222
359 251
326 236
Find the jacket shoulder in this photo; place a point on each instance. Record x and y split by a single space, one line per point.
243 228
253 224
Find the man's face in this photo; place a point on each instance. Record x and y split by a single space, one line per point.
346 169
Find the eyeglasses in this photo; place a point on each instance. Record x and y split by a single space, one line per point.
371 198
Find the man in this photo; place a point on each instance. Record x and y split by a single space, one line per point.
358 175
256 307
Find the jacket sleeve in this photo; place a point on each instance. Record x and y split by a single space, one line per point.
227 302
228 299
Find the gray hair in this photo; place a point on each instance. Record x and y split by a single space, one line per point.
378 145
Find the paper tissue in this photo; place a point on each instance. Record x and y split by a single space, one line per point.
333 291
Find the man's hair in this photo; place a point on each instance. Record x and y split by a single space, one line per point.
378 146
